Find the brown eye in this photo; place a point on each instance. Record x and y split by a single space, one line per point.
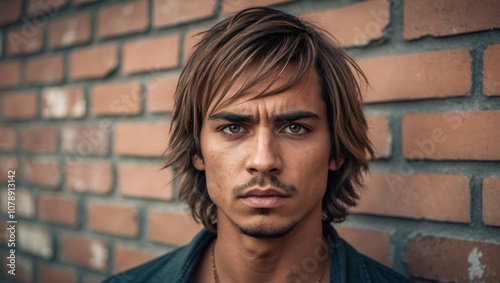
232 129
295 129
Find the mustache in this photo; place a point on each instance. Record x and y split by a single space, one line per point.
261 181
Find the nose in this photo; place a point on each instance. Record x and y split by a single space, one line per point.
264 155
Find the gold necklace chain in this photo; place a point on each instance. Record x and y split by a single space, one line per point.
216 278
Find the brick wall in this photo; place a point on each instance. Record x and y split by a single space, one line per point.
86 98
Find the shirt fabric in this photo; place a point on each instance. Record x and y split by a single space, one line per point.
178 266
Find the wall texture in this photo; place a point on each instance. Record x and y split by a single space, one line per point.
85 103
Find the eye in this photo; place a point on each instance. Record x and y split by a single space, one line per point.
232 129
295 129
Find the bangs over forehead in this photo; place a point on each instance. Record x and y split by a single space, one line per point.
253 49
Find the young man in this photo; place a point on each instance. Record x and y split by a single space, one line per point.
270 141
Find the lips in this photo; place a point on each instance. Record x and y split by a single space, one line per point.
264 193
268 198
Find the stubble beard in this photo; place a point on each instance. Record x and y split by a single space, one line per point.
261 232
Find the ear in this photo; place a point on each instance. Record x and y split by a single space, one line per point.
335 165
198 162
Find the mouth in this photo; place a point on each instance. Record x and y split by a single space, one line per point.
268 198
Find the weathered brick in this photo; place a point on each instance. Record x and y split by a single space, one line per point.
167 12
19 105
10 74
39 138
380 135
89 176
491 70
151 54
83 2
53 273
232 6
448 17
70 30
24 203
8 163
63 102
45 70
128 257
453 260
453 135
8 138
354 25
86 139
58 209
192 37
87 252
144 181
441 197
160 92
491 201
163 227
43 172
93 63
44 8
113 219
378 247
122 19
25 39
10 11
418 76
117 98
35 239
129 139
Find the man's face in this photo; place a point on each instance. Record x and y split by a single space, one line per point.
266 159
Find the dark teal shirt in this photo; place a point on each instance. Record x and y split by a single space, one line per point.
178 266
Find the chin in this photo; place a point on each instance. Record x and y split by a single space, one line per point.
267 231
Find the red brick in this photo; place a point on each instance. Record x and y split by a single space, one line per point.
160 91
354 25
93 63
152 54
171 227
191 38
128 257
376 245
46 69
40 138
8 138
43 172
70 31
232 6
129 139
113 219
145 181
453 260
85 139
10 11
43 8
167 13
491 201
36 240
441 197
52 274
24 267
117 98
8 163
452 136
26 39
380 135
89 176
83 2
448 17
418 76
122 19
491 71
63 102
19 105
58 209
87 252
10 74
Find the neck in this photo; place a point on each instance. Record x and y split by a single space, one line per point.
301 254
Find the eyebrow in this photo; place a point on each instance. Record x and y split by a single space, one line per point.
284 117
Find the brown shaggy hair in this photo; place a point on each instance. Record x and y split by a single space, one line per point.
266 41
